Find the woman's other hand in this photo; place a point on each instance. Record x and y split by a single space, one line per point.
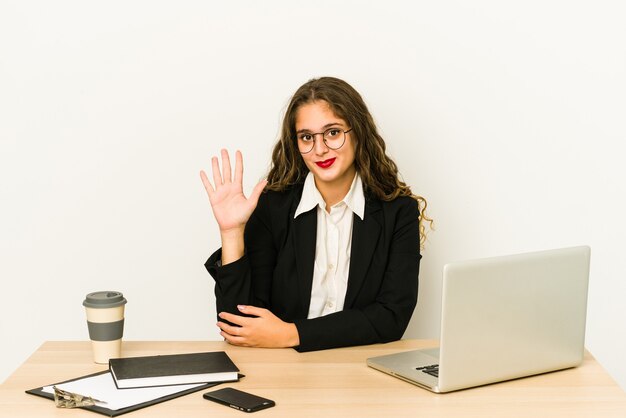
263 329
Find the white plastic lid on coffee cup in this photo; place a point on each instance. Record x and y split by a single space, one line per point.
104 299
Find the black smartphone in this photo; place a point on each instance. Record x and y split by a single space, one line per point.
237 399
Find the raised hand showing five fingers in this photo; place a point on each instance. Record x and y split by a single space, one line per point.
230 206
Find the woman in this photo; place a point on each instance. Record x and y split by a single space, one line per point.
328 255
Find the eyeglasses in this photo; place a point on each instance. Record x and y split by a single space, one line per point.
334 138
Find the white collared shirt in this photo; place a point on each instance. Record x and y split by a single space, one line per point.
333 244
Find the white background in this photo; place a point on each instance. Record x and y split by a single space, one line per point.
509 117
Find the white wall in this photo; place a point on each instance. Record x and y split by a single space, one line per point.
507 116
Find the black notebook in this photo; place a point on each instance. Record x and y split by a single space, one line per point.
172 369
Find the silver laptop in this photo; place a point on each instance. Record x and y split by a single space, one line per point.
502 318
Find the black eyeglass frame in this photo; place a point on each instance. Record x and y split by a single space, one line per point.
314 135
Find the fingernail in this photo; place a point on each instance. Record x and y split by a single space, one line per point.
241 307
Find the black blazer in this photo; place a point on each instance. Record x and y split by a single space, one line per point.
276 271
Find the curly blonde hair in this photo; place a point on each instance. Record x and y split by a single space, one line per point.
378 171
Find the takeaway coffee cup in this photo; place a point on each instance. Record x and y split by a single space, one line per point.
105 320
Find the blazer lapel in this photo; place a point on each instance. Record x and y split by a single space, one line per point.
304 234
365 235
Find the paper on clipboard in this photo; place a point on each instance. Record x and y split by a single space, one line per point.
119 401
102 387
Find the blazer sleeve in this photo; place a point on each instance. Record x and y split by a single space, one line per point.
234 284
386 317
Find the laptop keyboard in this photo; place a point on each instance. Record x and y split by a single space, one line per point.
432 370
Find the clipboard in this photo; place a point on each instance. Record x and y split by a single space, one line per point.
104 410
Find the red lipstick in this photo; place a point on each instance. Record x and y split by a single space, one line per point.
326 163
